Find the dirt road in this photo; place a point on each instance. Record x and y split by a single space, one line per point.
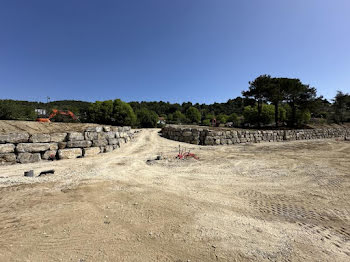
260 202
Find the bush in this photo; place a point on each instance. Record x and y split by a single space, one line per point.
234 119
221 118
193 115
178 117
206 122
111 112
303 117
251 114
147 118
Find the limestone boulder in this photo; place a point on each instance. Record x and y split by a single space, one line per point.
90 135
58 137
7 148
14 138
91 151
32 147
53 146
94 129
75 136
110 134
28 157
113 141
70 153
82 143
49 154
39 138
7 159
99 143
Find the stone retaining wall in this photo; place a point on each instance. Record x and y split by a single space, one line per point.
25 148
207 136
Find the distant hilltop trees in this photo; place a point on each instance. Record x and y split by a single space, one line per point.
268 101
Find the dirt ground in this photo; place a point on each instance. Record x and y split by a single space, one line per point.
33 127
284 201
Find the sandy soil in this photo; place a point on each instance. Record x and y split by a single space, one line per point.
32 127
260 202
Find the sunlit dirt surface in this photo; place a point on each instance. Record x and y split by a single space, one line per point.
285 201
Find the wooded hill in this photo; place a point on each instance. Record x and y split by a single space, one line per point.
268 101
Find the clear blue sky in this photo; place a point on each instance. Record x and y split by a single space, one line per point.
170 50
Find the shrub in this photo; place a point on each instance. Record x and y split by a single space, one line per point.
193 115
147 118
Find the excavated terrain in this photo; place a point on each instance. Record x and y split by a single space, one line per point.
33 127
286 201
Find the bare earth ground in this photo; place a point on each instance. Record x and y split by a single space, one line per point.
33 127
273 201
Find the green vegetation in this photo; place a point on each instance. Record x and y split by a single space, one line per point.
268 101
147 118
193 115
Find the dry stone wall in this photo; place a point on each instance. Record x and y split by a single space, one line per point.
25 148
207 136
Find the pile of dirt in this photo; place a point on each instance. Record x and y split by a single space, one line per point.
32 127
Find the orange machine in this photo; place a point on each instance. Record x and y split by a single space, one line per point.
55 112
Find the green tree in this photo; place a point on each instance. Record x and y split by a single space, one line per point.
123 114
303 117
257 90
298 96
275 94
234 119
341 107
178 117
251 115
222 118
111 112
193 115
147 118
206 122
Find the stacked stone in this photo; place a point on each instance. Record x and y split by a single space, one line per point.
207 136
183 134
25 148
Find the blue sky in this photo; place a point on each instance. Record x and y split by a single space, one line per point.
172 50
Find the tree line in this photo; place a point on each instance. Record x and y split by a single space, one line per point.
268 101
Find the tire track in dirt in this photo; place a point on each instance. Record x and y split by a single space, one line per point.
325 224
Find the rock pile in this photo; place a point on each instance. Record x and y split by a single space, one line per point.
207 136
25 148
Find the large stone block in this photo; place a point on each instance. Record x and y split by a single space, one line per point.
49 154
28 157
69 153
94 129
32 147
94 135
187 133
7 148
58 137
39 138
8 158
110 134
98 143
75 136
91 151
106 128
83 143
53 146
113 141
14 138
